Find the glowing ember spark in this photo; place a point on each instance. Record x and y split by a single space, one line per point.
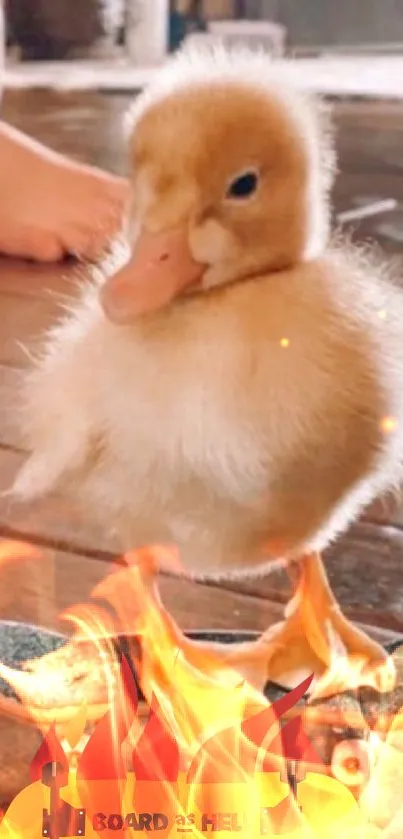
388 425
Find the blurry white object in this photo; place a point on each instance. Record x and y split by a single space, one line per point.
256 34
147 23
376 208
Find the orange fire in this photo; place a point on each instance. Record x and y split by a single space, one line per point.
213 754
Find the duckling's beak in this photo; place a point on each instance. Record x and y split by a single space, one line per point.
160 268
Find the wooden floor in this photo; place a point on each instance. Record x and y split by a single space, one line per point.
366 565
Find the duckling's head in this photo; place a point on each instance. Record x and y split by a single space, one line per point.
231 170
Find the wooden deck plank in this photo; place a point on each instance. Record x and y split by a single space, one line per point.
27 279
366 573
36 588
9 385
83 124
365 565
23 321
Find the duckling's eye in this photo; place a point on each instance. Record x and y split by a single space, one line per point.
244 186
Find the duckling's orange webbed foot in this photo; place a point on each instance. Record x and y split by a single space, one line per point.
316 638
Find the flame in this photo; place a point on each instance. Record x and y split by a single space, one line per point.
50 751
101 758
353 671
101 773
213 753
210 732
156 756
198 693
74 728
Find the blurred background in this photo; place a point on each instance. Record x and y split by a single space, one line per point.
57 29
73 66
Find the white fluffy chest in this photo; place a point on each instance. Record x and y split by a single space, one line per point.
180 423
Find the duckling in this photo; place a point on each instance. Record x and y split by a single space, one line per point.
234 385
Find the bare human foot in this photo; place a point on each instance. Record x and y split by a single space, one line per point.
51 206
